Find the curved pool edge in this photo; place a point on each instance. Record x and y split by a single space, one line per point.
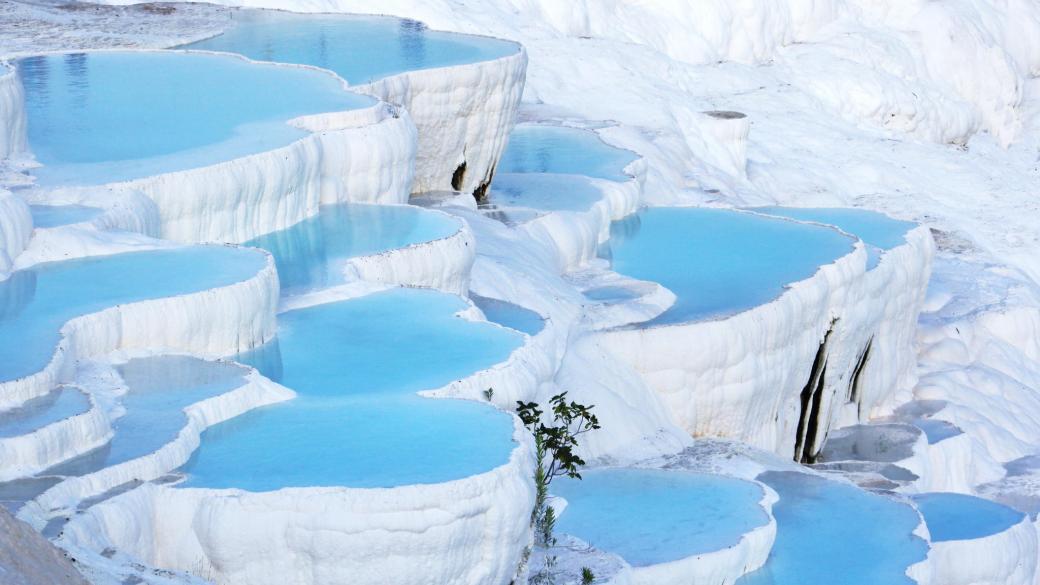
574 237
1006 557
16 229
833 315
442 264
222 320
480 118
363 154
722 566
30 453
490 512
746 391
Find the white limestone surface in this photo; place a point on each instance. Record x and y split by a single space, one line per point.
744 376
13 122
741 377
464 115
872 353
573 237
15 230
1005 558
254 392
443 264
363 155
467 531
24 455
220 321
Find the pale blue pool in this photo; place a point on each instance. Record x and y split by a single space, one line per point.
653 516
45 216
936 430
719 262
159 388
113 116
829 533
544 191
878 231
509 314
358 48
357 420
540 148
39 412
311 254
35 303
963 517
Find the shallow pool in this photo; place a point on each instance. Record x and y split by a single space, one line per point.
546 192
357 420
113 116
878 231
39 412
311 253
541 148
652 516
937 430
963 517
46 216
159 388
719 262
509 315
358 48
830 533
35 303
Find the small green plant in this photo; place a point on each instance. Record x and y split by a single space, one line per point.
587 576
554 449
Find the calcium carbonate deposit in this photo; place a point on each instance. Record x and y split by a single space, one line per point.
337 292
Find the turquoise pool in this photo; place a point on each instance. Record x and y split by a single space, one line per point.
35 303
653 516
311 254
158 390
541 148
357 421
104 117
830 533
545 192
39 412
46 216
359 49
719 262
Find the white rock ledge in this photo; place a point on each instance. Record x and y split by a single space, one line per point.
721 567
743 376
1005 558
15 230
464 115
13 122
27 454
255 391
219 321
361 155
442 264
574 236
467 531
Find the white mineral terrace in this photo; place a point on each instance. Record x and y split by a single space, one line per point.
268 304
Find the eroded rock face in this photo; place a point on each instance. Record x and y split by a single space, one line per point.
27 558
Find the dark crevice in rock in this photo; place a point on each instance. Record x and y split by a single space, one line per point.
480 193
811 404
458 176
857 374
